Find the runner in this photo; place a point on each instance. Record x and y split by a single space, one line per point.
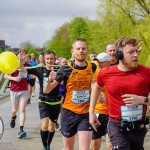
49 104
128 86
111 51
19 95
101 109
77 77
93 56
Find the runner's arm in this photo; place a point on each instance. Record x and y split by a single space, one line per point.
94 97
53 80
132 99
22 56
9 77
49 86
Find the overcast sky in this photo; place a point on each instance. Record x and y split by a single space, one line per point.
37 20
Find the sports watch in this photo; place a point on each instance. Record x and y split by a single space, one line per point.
146 100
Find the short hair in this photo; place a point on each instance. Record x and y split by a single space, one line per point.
49 52
93 53
109 44
42 53
79 39
125 41
28 55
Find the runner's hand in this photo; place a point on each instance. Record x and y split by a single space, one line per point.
17 79
22 55
132 99
52 75
94 121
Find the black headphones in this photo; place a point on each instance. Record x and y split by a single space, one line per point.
119 53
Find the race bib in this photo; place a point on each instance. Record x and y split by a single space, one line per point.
80 97
22 75
132 113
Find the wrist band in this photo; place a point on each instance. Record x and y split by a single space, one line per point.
146 100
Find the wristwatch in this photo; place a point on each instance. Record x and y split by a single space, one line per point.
146 100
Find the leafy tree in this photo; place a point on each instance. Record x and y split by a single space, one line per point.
27 44
64 36
60 42
127 18
30 48
78 27
143 29
115 19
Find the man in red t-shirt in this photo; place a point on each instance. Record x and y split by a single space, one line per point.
19 95
128 86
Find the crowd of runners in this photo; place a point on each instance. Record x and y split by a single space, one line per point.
107 95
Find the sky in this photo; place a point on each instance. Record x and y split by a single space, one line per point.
37 20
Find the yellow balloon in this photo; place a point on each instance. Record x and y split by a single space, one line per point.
8 62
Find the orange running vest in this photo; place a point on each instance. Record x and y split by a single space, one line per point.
78 90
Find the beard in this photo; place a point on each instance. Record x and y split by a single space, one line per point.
80 59
130 65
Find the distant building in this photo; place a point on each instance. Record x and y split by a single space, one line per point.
14 50
2 45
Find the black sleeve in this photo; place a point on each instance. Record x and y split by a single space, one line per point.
94 67
32 71
62 72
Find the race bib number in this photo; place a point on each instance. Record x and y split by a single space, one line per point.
80 97
22 75
132 113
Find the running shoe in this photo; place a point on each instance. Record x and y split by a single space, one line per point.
22 134
46 148
33 95
12 122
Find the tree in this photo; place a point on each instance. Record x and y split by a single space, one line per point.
127 18
60 42
1 50
64 36
78 28
30 48
27 44
115 19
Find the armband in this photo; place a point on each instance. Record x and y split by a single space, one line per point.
22 74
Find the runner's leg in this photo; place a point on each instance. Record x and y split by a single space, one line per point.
84 139
68 143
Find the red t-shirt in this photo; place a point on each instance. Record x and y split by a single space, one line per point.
18 86
118 83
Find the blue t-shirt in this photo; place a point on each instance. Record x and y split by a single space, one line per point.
33 63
